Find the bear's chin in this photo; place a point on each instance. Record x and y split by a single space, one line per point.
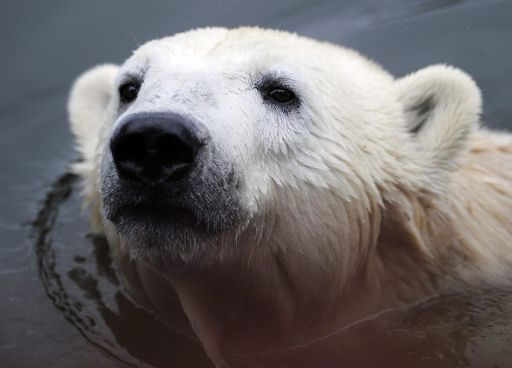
161 234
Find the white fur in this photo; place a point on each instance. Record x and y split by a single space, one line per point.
351 210
88 102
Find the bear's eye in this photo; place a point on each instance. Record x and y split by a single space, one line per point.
277 91
128 91
281 96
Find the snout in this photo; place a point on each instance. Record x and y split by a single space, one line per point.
153 148
166 182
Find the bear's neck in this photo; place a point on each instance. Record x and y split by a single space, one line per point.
245 312
279 296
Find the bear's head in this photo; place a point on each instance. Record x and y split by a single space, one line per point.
217 142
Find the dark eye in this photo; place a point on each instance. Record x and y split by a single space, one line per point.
277 91
128 91
281 96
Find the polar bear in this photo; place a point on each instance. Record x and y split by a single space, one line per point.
260 189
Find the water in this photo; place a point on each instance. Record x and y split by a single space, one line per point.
61 304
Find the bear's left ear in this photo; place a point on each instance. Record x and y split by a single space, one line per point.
88 101
442 107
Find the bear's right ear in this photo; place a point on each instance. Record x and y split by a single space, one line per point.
442 107
88 101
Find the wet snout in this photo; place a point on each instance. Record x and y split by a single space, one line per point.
154 148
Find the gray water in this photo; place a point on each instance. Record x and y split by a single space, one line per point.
61 304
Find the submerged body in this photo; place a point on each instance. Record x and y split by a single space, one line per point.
306 188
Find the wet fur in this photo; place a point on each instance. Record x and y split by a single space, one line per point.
384 195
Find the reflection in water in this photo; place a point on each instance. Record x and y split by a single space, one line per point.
460 330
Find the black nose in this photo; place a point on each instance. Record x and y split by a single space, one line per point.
155 147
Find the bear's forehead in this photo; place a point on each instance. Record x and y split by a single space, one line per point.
243 48
249 51
221 42
226 47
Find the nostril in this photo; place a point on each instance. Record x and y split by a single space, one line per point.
130 153
174 150
172 154
130 147
154 149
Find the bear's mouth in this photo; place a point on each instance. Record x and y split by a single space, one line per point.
156 214
158 226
